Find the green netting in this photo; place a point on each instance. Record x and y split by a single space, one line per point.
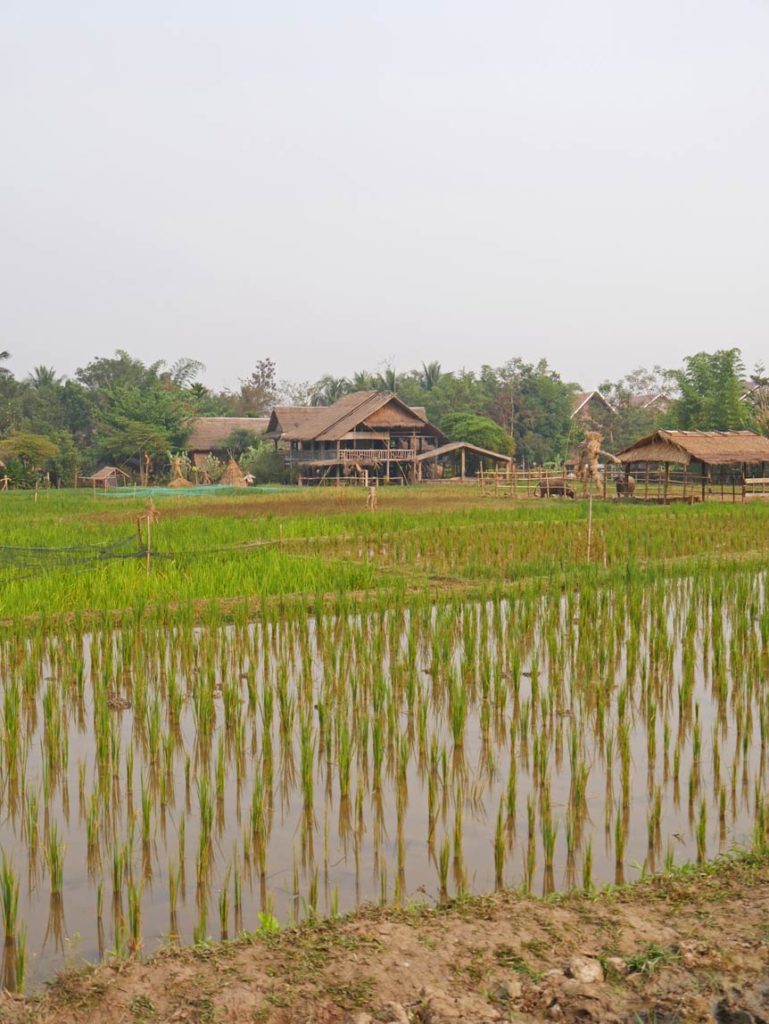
187 492
22 562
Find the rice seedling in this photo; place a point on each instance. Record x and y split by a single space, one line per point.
9 897
134 917
54 857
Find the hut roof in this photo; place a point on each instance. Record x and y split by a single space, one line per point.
376 409
454 446
210 432
647 401
583 398
105 473
713 447
292 422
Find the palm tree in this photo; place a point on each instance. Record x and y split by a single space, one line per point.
4 372
184 371
430 375
387 381
43 376
328 390
364 381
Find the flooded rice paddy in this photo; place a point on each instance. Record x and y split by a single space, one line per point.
178 782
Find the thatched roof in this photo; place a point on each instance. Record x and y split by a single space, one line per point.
713 447
582 400
291 422
648 401
372 409
210 432
232 476
105 473
455 446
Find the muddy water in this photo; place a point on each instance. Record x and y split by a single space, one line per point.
629 721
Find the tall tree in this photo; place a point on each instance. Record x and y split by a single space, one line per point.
258 391
534 405
429 375
43 377
711 385
183 372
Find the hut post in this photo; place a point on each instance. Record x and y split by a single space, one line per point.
665 483
646 482
702 467
686 466
462 463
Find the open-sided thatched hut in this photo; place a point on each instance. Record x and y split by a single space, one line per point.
703 460
107 476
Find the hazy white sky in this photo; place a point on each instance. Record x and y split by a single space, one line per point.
341 183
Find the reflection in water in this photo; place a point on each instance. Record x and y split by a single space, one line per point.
296 766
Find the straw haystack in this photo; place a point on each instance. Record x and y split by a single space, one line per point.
232 476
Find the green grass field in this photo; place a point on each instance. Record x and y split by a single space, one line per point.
250 545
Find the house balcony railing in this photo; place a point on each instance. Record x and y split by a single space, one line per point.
353 455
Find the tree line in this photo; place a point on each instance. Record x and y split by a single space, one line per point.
118 410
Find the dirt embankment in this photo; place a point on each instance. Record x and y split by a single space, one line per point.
689 947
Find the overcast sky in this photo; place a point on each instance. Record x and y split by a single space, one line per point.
339 184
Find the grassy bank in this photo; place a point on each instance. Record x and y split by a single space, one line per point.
673 947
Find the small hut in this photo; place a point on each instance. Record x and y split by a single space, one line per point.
692 464
232 476
107 476
459 450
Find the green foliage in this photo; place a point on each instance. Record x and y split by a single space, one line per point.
479 430
117 408
265 464
125 440
710 387
240 441
534 405
27 456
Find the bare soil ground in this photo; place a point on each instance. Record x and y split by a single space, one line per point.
691 946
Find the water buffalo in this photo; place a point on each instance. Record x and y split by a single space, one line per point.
559 488
625 486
